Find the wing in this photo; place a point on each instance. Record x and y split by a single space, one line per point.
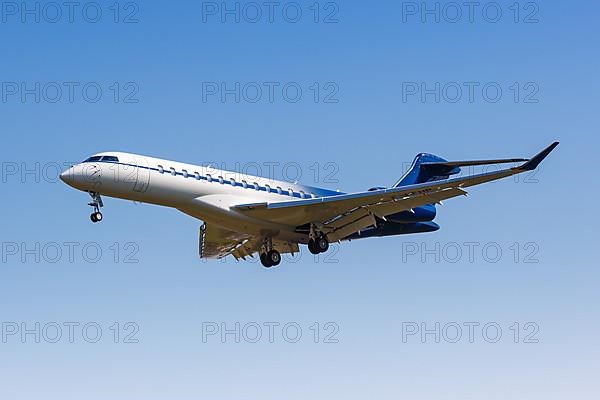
344 214
216 242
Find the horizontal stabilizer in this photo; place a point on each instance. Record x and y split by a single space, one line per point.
453 164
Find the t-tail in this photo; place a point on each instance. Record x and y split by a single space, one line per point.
428 168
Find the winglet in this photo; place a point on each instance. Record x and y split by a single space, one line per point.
537 159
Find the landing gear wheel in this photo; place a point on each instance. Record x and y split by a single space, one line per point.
322 244
312 247
274 258
96 216
265 261
96 204
318 246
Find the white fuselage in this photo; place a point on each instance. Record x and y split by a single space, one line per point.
203 192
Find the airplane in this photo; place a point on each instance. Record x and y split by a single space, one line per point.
244 215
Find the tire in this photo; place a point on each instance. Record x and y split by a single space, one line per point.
98 216
274 258
264 260
93 218
312 247
322 244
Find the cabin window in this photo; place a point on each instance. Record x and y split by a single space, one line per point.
267 188
314 196
302 194
173 172
209 177
245 184
110 158
221 181
161 169
256 186
279 190
197 175
232 181
291 192
185 173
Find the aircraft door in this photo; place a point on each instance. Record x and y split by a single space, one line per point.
142 177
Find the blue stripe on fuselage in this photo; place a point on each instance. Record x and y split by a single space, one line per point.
319 192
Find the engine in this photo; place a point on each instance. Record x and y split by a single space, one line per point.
391 228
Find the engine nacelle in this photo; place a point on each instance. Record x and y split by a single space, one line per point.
391 229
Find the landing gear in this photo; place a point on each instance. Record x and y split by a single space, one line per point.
96 216
318 245
263 260
96 203
322 244
311 247
269 257
318 242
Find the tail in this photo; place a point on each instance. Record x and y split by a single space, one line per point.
420 173
429 167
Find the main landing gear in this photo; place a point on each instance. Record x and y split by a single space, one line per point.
96 202
269 257
318 245
318 242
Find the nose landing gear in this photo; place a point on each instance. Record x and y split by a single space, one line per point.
96 216
96 202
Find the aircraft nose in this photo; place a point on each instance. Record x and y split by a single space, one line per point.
68 176
82 176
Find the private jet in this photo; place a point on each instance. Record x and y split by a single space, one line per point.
247 215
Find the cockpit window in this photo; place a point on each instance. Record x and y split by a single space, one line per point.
102 158
93 159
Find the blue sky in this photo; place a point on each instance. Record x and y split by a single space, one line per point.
515 251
